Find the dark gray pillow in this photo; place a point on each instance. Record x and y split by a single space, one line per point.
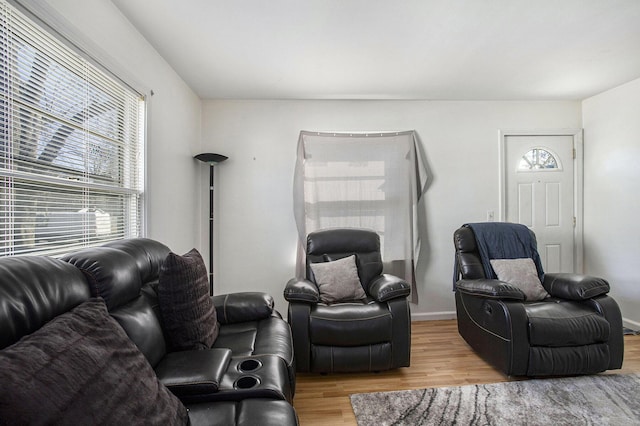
338 281
81 368
521 273
188 314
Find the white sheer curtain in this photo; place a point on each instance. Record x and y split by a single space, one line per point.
362 180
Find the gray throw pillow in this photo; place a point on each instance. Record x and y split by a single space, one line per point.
81 368
188 313
521 273
338 281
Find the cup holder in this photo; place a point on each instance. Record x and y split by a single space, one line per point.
246 382
249 365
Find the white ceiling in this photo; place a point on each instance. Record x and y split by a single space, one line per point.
402 49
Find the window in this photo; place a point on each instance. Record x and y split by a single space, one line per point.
360 180
342 193
71 139
538 159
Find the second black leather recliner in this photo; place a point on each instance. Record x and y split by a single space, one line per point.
577 329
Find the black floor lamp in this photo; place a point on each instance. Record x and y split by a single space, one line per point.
212 160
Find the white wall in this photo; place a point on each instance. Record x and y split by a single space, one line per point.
173 114
611 200
256 232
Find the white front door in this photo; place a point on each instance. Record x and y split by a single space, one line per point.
539 193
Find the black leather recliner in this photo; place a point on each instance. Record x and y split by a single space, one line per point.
578 330
372 334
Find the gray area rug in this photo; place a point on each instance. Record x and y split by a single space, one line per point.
608 399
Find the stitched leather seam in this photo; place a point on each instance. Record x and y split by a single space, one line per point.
331 367
224 308
350 319
597 290
297 293
511 295
570 317
388 294
301 297
481 327
178 384
585 292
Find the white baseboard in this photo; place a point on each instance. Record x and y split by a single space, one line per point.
634 325
432 316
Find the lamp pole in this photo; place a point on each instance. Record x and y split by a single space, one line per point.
211 160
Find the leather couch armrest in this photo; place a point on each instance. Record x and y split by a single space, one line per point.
489 288
196 372
575 286
243 306
387 287
301 290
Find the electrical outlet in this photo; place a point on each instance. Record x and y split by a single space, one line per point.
490 216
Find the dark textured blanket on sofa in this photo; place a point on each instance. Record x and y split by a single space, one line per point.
502 240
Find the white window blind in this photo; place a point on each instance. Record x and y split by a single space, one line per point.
71 142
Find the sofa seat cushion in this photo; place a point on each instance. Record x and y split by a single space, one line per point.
350 324
248 412
81 368
565 324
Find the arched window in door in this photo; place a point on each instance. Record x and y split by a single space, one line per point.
538 159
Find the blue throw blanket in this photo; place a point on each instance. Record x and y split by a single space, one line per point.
501 240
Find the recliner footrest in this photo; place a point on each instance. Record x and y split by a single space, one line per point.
565 324
336 359
588 359
350 324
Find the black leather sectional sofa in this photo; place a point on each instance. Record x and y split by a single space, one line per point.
247 377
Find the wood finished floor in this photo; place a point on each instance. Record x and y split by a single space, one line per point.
439 357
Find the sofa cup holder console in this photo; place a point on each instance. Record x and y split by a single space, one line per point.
260 376
246 382
249 365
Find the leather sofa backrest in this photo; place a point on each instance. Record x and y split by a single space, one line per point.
467 255
123 273
140 319
148 254
337 243
33 291
112 274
